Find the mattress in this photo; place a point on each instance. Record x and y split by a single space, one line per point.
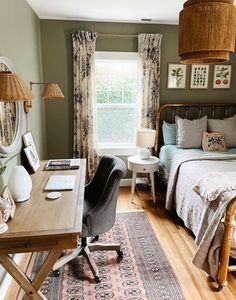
168 152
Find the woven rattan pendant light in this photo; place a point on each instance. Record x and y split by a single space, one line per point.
207 31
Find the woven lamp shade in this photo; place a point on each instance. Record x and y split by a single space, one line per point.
207 31
13 88
52 91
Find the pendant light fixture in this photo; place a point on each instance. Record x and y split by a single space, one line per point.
207 31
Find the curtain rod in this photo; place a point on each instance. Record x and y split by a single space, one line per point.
116 35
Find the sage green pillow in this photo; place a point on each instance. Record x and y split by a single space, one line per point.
169 133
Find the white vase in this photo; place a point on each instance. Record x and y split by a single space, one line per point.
20 184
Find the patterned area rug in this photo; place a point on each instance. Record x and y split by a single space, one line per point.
144 272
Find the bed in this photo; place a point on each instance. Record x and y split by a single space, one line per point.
190 174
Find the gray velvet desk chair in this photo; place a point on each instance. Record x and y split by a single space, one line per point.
99 211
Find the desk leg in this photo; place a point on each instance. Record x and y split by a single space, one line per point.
133 185
31 288
153 187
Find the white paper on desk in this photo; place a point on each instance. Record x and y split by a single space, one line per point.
60 182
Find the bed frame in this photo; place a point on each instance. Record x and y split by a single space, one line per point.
168 112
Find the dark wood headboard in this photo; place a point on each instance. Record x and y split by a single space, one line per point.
168 112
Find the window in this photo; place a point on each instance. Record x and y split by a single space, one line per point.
116 102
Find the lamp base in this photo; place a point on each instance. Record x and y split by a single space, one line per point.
143 153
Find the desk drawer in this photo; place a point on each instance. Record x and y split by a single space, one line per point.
37 245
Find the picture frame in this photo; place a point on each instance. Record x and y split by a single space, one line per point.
32 158
199 77
28 140
6 194
176 76
222 76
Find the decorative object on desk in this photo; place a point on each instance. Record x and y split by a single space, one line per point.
206 31
11 110
3 228
51 91
199 76
20 184
145 138
32 157
6 194
176 78
144 272
5 209
29 140
222 76
53 195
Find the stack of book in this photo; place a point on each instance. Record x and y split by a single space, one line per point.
62 164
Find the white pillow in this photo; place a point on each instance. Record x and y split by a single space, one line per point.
189 132
227 126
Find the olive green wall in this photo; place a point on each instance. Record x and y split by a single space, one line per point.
21 43
57 66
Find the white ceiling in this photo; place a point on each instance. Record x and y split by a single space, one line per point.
159 11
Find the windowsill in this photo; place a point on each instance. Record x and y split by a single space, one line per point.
122 151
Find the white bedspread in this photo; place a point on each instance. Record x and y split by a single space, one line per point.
202 218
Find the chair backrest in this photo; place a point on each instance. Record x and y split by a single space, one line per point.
101 193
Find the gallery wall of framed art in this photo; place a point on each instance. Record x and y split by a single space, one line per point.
198 77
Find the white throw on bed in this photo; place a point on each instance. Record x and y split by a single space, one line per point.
213 184
201 217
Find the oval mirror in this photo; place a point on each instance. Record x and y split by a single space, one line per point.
11 114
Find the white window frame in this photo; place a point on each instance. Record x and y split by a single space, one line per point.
114 56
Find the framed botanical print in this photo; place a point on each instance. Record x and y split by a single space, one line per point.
32 158
222 76
29 141
199 76
176 76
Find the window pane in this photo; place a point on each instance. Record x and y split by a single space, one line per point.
116 126
115 69
130 83
115 97
101 84
130 97
102 96
101 69
116 86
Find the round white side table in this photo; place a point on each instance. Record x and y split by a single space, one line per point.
137 165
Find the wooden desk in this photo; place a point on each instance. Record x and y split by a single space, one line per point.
43 225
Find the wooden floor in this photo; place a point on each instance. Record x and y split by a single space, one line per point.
179 247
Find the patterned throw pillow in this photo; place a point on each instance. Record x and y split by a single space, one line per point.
214 141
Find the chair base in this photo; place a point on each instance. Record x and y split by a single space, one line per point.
85 249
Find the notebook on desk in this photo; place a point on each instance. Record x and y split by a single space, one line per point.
60 182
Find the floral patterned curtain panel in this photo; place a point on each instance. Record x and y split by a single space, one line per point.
84 62
149 48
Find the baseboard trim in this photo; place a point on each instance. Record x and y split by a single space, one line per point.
126 182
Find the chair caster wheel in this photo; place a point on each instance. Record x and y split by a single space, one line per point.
55 273
97 279
220 287
120 253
